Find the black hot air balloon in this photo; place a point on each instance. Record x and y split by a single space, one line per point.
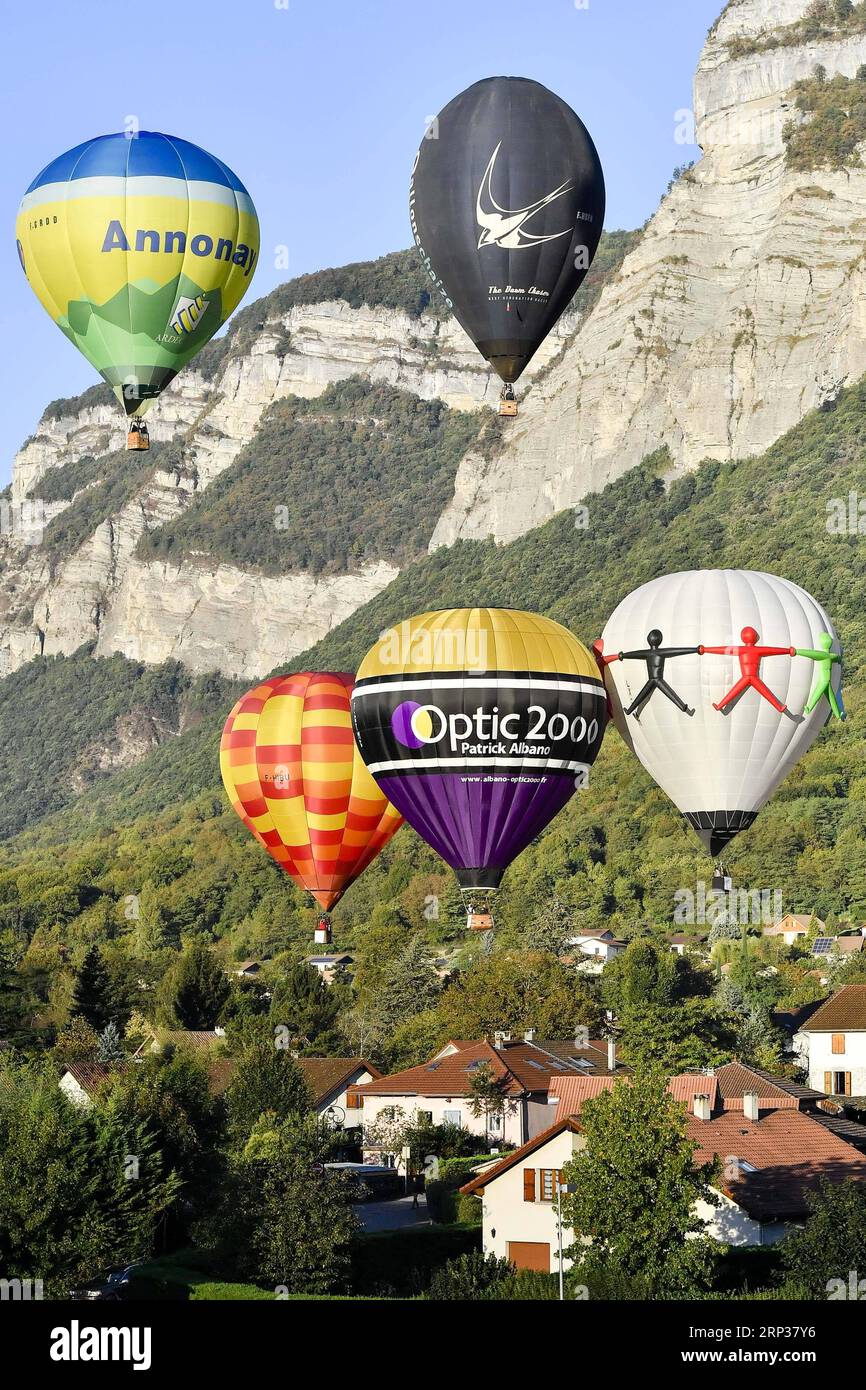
507 206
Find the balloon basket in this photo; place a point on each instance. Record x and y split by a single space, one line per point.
508 407
138 438
322 934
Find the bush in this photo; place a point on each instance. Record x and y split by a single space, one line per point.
402 1263
471 1276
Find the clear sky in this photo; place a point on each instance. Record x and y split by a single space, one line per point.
319 106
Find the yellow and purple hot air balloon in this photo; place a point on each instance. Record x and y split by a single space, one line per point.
478 724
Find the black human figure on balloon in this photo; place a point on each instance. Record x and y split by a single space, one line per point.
655 657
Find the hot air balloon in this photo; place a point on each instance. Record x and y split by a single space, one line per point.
506 204
139 248
293 775
478 724
719 681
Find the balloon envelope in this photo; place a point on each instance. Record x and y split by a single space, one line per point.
507 207
478 724
139 249
718 767
293 775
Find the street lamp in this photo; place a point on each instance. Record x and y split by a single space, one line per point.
560 1188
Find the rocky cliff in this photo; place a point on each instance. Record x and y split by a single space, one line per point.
211 615
741 308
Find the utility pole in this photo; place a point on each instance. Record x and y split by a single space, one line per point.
560 1188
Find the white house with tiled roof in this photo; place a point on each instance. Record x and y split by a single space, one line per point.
772 1154
834 1043
794 926
440 1091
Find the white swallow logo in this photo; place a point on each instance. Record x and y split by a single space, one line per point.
499 227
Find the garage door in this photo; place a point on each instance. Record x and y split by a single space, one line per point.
529 1254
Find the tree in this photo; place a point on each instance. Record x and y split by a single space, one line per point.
79 1190
91 995
832 1243
693 1034
636 1187
410 985
110 1047
308 1008
13 996
515 990
195 990
282 1220
77 1042
267 1081
488 1095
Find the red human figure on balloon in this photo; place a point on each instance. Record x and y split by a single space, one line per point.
750 656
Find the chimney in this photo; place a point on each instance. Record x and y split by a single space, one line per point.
611 1054
498 1040
750 1106
701 1107
529 1035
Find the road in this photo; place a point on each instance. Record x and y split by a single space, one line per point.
393 1215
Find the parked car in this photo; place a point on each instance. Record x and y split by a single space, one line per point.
370 1183
121 1283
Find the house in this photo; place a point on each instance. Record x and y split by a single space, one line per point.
793 927
680 942
332 1081
834 1043
597 946
248 970
440 1090
81 1081
773 1156
329 966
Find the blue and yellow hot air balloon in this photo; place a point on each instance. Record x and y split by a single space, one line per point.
139 247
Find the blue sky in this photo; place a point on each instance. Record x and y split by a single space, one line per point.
319 106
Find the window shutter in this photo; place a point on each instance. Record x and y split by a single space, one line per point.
828 1082
838 1044
847 1083
529 1184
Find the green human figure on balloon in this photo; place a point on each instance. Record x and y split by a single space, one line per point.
822 685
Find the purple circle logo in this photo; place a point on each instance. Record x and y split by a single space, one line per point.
411 724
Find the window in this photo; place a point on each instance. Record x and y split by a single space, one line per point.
494 1124
837 1083
354 1101
547 1186
425 1117
838 1044
452 1117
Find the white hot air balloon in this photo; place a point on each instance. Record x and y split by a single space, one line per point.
718 730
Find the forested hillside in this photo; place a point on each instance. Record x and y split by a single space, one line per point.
619 851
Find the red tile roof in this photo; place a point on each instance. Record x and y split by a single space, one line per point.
327 1074
791 1153
735 1080
91 1075
843 1011
572 1091
477 1185
521 1066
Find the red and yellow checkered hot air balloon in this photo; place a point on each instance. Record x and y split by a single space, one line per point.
293 774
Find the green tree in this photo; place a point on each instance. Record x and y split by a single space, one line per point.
308 1008
91 996
410 985
470 1277
267 1081
832 1244
194 992
78 1189
515 990
693 1034
488 1094
110 1046
282 1220
636 1188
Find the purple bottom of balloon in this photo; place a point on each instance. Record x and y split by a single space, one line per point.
478 820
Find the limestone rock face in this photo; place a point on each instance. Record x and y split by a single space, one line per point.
741 308
213 616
